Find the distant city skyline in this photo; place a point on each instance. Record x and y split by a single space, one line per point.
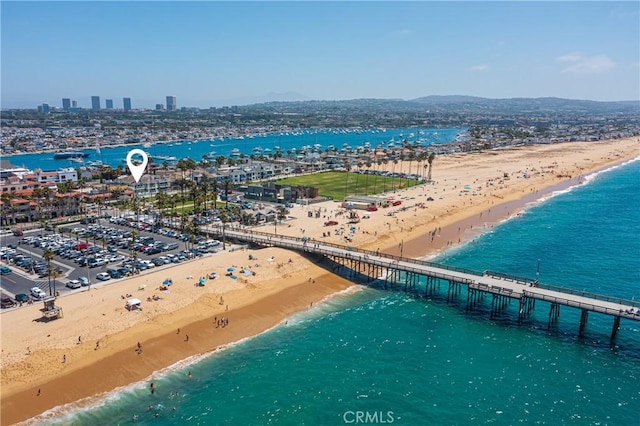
225 53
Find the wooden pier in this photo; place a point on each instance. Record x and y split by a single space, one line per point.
406 273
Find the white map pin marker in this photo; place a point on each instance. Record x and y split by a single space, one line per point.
137 170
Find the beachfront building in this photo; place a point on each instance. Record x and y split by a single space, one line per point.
364 202
34 204
274 193
148 186
58 176
16 209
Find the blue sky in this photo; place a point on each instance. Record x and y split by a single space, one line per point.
216 53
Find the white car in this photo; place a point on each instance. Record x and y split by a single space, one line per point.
103 276
149 264
38 293
73 284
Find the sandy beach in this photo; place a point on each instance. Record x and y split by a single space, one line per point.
93 348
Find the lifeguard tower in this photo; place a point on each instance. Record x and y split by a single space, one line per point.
50 310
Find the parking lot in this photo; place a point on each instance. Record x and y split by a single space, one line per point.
89 254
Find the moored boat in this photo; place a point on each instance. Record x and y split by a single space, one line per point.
69 154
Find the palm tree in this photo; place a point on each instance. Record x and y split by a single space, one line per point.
366 178
6 207
375 177
213 187
134 254
54 274
412 156
48 256
359 168
430 159
347 166
226 191
385 162
393 182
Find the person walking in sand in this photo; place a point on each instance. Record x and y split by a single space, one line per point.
186 337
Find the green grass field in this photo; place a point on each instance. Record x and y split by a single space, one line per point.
337 185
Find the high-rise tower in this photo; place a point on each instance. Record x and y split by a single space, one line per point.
171 103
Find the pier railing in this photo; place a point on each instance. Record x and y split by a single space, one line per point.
566 290
376 258
358 250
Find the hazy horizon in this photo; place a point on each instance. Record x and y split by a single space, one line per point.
221 53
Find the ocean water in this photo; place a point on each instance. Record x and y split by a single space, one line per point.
288 143
381 357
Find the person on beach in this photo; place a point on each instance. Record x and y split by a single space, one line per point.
64 359
186 337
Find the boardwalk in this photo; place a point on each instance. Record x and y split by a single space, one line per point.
501 287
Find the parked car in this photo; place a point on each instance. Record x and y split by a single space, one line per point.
22 298
103 276
38 293
84 281
6 302
114 273
73 284
95 263
153 250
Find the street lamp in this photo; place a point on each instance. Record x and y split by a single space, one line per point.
224 247
88 277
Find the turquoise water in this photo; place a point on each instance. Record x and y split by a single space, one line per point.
288 143
399 359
